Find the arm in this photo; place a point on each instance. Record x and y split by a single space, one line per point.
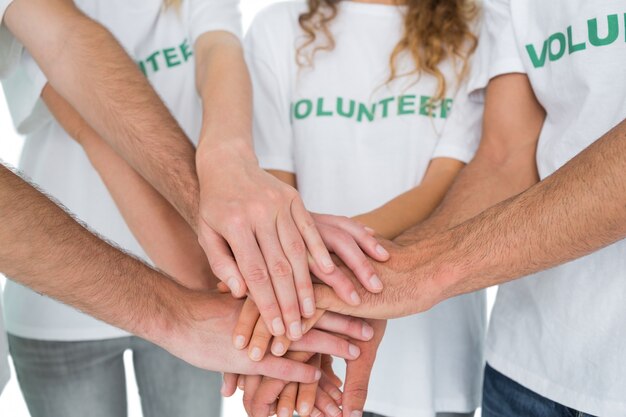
46 250
504 166
254 228
89 68
161 231
415 205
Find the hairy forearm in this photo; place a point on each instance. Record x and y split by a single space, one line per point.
224 85
415 205
48 251
579 209
89 68
161 231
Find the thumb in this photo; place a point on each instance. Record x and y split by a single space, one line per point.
358 374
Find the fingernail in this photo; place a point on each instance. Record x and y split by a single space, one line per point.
279 328
284 413
295 329
240 342
255 354
355 298
332 409
318 375
304 409
376 283
356 414
367 331
278 349
335 394
370 230
233 284
381 251
308 306
328 264
316 413
354 351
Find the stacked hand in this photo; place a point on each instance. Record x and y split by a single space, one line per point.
264 396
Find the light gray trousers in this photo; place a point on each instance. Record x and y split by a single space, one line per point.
87 379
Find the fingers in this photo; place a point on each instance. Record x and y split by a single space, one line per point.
306 392
246 324
329 386
285 369
358 373
325 403
252 266
251 385
287 400
280 345
363 236
345 325
312 238
281 275
327 343
297 254
229 385
328 373
221 260
340 283
259 342
344 246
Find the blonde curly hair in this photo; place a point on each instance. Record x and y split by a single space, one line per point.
434 30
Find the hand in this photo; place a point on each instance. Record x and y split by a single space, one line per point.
268 396
199 330
415 279
257 233
320 334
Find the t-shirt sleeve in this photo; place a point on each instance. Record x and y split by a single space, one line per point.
214 15
497 51
22 90
461 135
10 48
272 132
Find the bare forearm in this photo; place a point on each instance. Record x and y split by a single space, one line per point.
415 205
89 68
48 251
224 85
162 232
579 209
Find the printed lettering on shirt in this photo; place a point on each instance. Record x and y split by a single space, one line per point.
405 105
166 58
597 32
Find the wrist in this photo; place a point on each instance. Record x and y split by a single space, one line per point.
212 150
439 264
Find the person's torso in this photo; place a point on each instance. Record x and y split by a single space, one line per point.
359 142
159 42
563 331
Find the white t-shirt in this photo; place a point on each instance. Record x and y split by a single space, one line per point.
162 44
562 332
5 66
355 143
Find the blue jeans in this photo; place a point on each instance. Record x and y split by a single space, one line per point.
87 379
503 397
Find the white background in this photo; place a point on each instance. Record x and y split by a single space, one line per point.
11 401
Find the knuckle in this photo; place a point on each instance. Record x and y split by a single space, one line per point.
281 268
357 392
268 307
257 275
297 248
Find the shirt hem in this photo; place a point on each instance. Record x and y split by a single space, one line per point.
552 390
65 335
453 152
